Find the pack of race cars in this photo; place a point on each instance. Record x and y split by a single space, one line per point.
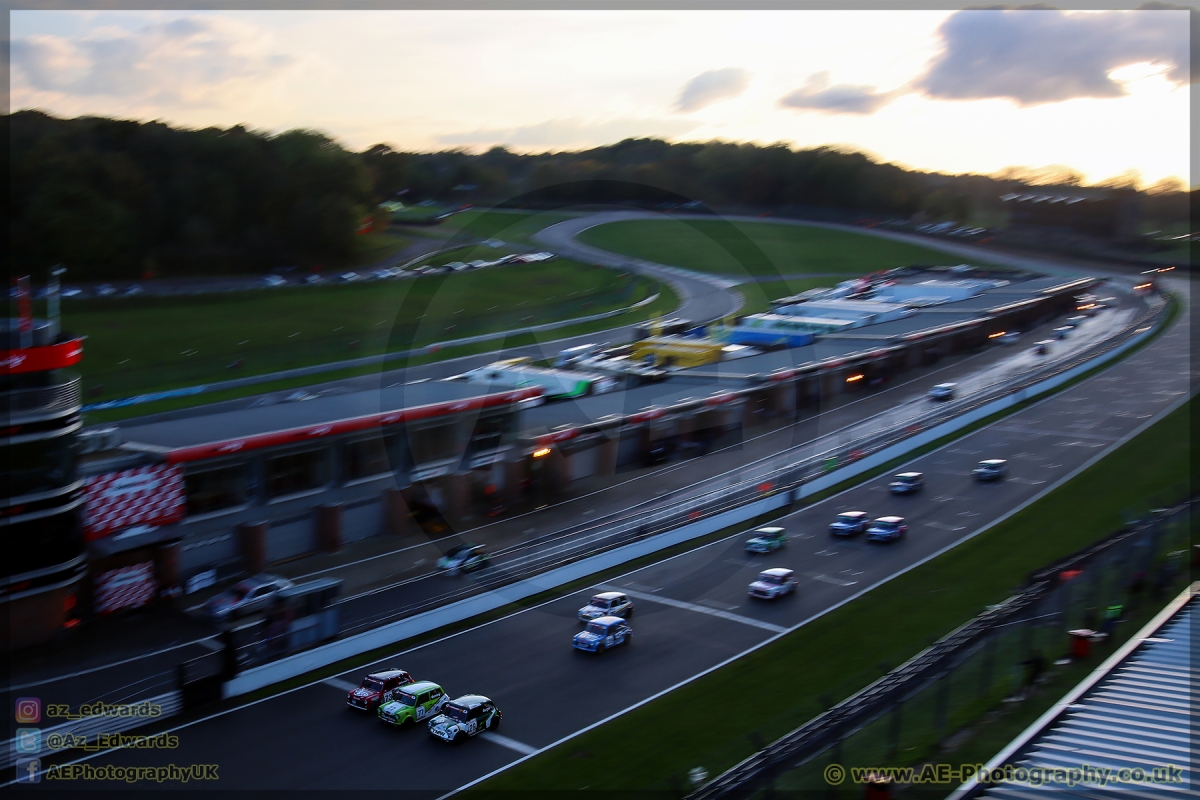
400 701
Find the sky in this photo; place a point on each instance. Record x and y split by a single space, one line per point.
1102 93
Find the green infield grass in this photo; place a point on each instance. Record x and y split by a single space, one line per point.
141 344
758 249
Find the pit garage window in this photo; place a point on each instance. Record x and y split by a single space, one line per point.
296 472
491 431
434 442
365 458
217 489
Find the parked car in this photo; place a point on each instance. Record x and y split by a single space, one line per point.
849 523
247 597
943 391
375 687
907 483
464 558
887 529
765 540
466 716
606 604
602 634
991 470
772 584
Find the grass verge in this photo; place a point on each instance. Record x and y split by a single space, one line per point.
144 344
844 650
667 301
758 249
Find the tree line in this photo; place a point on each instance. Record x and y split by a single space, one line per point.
121 199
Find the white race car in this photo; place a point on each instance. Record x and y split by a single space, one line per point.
469 715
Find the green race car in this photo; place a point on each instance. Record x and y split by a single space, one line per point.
412 703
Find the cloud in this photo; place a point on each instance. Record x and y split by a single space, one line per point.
845 98
712 87
571 132
191 59
1034 56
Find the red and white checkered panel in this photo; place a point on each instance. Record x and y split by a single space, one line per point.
125 587
151 495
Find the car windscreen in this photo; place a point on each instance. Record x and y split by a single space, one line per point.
599 602
404 699
456 713
767 578
457 551
850 518
596 627
239 592
373 684
887 526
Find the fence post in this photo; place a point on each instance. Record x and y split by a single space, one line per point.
942 707
894 730
986 665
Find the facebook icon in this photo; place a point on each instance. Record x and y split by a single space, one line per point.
29 770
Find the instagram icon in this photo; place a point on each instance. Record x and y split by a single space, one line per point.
29 710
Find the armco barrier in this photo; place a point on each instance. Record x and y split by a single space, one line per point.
459 611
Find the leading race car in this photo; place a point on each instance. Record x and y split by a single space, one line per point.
602 634
766 539
772 584
374 687
907 483
466 716
606 604
412 703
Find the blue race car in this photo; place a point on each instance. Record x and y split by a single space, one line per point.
603 633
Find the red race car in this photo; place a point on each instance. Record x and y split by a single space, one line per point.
371 691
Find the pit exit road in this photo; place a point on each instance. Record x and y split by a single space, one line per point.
687 620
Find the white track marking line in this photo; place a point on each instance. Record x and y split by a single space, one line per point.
817 576
667 601
511 744
345 686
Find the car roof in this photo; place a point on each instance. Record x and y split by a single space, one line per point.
608 620
388 673
608 595
470 700
852 514
769 530
908 475
777 571
891 520
994 461
420 686
945 386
